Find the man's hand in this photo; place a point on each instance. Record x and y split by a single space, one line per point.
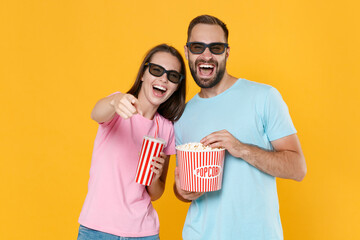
125 105
183 195
223 139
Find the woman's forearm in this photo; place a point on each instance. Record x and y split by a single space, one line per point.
103 110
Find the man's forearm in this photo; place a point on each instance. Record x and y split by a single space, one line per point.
287 161
283 164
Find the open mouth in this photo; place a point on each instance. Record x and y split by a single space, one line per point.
159 90
206 69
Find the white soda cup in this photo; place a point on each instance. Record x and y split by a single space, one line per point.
151 147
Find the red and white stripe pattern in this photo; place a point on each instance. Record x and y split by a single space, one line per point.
150 148
201 171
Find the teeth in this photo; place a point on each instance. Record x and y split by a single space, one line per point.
160 88
206 66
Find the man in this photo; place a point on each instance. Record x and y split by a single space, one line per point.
251 121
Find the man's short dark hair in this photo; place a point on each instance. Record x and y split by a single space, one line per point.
207 19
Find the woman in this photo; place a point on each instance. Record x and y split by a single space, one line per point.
116 206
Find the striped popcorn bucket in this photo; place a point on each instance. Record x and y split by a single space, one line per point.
201 171
151 147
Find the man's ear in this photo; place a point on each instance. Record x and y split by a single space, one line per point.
227 53
186 52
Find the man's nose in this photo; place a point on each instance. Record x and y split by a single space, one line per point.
207 54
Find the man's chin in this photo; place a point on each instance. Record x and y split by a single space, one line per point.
205 82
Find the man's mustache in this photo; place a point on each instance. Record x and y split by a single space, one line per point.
199 61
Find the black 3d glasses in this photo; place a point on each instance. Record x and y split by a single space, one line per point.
158 71
199 47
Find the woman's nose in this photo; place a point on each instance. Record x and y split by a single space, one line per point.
163 77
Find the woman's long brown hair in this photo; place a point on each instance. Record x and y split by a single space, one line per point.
173 108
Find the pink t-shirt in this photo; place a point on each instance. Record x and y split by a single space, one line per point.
115 203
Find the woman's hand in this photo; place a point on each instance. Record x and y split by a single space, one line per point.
125 105
157 166
160 167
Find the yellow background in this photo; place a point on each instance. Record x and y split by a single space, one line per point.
58 57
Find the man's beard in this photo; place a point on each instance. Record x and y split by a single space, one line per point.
208 83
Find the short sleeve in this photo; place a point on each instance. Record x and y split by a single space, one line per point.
277 120
177 133
110 122
170 146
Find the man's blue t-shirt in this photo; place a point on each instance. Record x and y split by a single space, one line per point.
247 205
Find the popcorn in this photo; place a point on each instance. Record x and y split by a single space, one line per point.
201 167
195 146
